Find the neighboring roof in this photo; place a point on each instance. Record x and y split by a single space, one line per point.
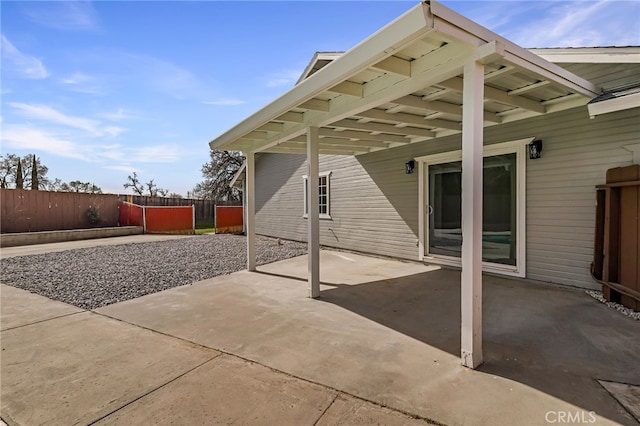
319 61
615 100
403 84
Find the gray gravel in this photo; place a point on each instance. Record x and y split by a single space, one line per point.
618 307
93 277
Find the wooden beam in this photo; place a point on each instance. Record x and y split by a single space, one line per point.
384 128
501 72
324 151
293 117
256 135
394 65
316 105
416 120
529 88
271 127
353 134
348 88
438 106
497 95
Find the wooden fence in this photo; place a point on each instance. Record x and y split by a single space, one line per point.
205 209
29 211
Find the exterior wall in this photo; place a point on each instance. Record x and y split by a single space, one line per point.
374 204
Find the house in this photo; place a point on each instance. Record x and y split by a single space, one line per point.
395 130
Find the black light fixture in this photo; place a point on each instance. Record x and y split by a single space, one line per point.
535 149
409 166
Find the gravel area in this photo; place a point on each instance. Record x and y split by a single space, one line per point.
93 277
618 307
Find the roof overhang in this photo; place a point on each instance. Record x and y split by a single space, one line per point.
403 84
615 100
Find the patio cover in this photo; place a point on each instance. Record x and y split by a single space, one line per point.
428 74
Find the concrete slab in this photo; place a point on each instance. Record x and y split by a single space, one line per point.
229 390
347 410
6 252
389 332
628 395
79 368
19 307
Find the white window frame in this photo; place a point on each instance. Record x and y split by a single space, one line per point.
519 147
305 189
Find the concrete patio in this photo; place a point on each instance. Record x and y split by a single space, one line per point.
381 346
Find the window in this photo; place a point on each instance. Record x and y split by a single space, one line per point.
324 198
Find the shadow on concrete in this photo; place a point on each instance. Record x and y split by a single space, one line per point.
556 340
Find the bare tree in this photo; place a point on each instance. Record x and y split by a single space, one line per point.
154 190
134 183
218 174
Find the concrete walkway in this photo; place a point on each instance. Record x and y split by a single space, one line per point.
381 343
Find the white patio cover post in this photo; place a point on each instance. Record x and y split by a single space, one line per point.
313 210
471 281
250 196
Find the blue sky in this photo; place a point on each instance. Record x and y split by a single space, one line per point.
98 90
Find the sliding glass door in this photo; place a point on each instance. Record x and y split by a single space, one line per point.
502 212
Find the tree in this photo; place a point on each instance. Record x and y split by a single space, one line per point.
174 195
19 178
10 175
154 190
7 169
134 183
73 186
218 174
78 186
34 174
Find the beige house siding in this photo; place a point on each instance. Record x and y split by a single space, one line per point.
374 203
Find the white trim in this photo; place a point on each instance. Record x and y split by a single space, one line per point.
304 182
614 104
590 55
239 173
520 148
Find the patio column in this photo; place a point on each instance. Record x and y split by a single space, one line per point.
471 281
250 196
313 210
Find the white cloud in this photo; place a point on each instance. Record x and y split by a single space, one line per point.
21 64
63 15
46 113
562 23
113 131
224 102
26 138
127 168
119 115
155 154
80 82
283 78
49 114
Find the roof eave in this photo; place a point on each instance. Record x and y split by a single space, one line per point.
410 26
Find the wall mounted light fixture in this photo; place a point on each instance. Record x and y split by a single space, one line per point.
535 149
409 166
